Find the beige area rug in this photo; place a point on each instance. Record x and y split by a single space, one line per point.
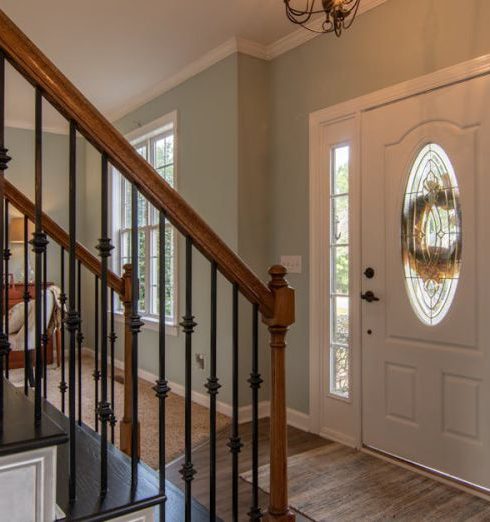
337 483
148 412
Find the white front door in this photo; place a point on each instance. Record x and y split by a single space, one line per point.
425 233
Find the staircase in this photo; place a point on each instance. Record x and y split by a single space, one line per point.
94 479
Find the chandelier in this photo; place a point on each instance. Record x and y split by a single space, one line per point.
339 14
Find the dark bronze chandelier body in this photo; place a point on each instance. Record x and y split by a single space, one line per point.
339 14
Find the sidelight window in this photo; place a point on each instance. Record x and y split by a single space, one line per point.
339 272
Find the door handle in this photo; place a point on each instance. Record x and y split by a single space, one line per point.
369 297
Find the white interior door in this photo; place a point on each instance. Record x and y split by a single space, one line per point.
425 231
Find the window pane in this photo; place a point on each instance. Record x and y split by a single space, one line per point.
126 203
169 271
142 269
340 320
142 150
340 270
340 370
340 181
340 232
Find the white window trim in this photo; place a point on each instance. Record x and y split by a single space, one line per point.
145 132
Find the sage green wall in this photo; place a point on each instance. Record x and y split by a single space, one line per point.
253 190
208 180
397 41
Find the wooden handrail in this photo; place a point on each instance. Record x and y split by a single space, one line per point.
56 88
53 230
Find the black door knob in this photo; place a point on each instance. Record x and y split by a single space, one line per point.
369 297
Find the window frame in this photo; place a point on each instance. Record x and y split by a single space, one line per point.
151 132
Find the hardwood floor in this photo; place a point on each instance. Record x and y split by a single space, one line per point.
299 441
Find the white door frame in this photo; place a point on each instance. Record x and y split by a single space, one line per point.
319 123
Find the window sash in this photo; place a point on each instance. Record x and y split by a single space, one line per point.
148 227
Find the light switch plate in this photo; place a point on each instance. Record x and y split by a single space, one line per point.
292 264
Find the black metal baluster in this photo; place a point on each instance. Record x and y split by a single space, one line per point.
188 325
235 443
28 377
104 247
213 386
112 339
39 243
72 315
44 337
136 325
255 381
4 159
63 386
96 374
79 341
6 256
161 386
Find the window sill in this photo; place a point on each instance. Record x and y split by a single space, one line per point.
151 324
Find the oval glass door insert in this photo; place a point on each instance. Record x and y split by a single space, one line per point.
431 234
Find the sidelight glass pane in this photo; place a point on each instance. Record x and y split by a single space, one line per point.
340 312
340 370
339 273
340 270
340 220
340 170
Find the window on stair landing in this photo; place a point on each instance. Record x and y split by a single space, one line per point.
157 144
339 272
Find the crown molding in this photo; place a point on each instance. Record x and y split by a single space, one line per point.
231 46
301 36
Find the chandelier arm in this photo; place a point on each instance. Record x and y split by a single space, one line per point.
354 14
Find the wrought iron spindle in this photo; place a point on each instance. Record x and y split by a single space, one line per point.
161 386
104 247
96 374
112 339
235 443
72 320
63 386
6 256
79 340
28 377
39 243
188 325
44 337
136 325
213 387
255 381
4 159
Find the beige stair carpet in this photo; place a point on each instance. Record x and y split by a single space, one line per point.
337 483
148 412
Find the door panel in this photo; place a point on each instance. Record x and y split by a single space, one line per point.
426 388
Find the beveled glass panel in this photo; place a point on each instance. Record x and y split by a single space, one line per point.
431 234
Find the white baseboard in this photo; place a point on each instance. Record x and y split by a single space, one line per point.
295 418
337 436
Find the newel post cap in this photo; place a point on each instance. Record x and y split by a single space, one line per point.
284 313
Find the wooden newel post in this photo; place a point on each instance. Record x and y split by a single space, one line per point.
125 424
278 326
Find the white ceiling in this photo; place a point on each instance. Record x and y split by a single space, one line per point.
115 50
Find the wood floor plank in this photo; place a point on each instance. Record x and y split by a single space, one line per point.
299 441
